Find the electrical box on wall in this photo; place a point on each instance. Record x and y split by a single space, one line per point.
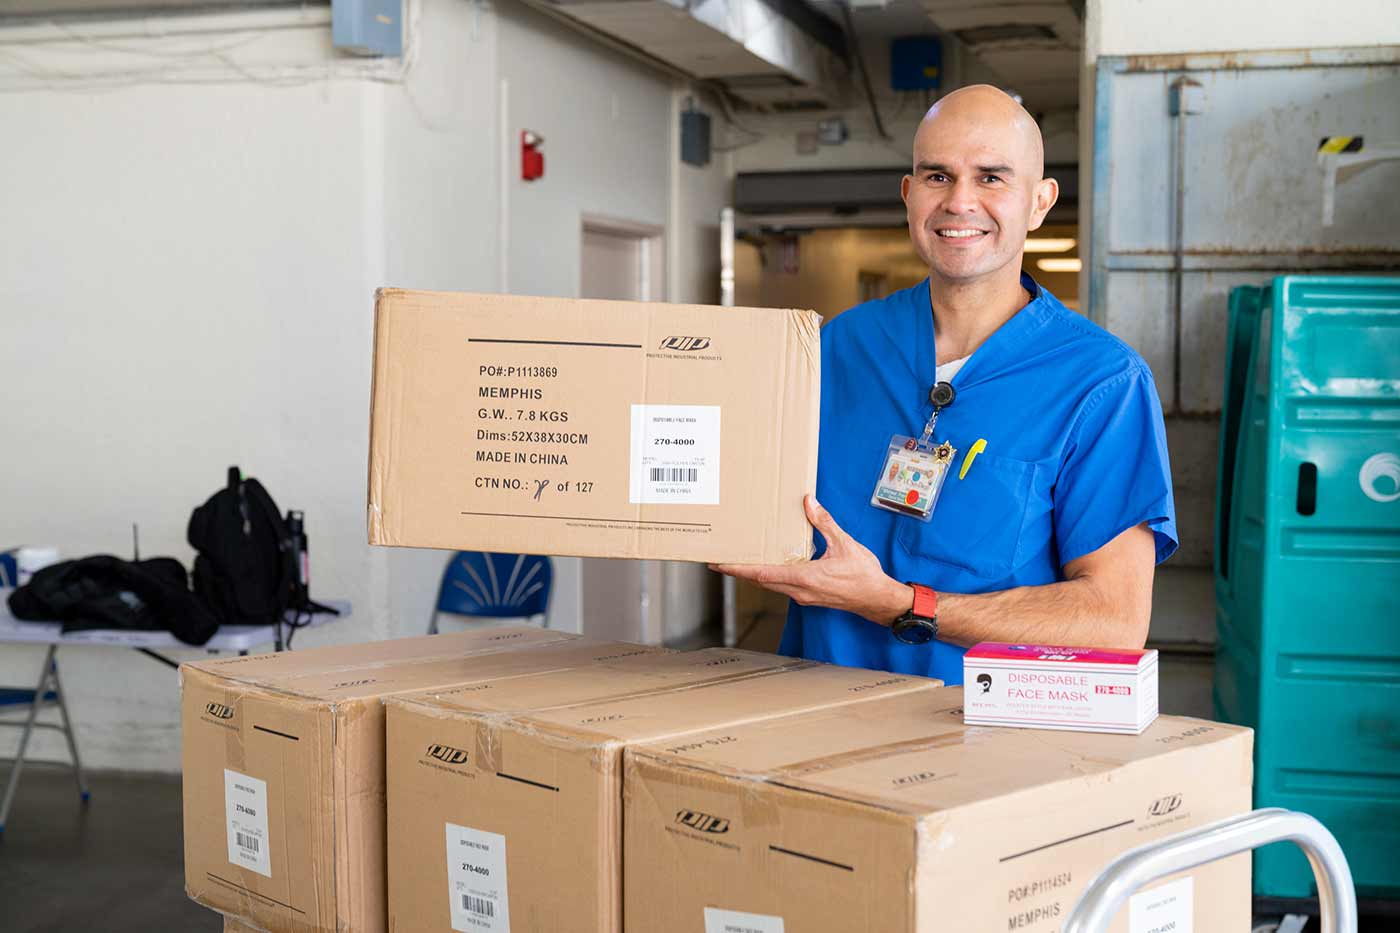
368 27
916 63
695 137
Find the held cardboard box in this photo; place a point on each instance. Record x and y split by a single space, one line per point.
593 428
284 767
894 817
1048 687
505 811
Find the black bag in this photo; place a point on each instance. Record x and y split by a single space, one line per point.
245 571
110 593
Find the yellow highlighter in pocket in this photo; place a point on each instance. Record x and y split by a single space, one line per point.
972 453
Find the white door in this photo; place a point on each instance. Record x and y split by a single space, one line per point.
618 599
612 265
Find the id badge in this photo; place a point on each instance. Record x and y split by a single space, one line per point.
912 477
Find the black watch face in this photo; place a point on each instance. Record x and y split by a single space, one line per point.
914 631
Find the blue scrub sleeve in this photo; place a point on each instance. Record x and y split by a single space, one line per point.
791 643
1116 472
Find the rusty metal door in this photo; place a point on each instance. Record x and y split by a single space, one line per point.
1206 176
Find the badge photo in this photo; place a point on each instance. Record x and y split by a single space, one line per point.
912 477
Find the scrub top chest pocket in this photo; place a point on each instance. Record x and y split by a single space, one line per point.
980 518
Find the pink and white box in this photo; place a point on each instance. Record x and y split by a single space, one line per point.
1044 687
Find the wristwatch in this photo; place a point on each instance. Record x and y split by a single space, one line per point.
919 625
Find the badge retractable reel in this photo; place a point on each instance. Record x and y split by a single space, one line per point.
915 468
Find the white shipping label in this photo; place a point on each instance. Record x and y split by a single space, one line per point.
735 921
476 880
1166 908
245 806
675 454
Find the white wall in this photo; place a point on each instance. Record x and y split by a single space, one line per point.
187 268
606 122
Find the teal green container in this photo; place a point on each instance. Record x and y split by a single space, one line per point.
1307 564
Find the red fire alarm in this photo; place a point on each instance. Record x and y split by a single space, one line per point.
531 159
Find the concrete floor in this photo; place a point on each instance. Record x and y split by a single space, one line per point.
115 865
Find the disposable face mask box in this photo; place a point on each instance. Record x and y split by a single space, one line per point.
505 804
1045 687
593 428
894 816
283 761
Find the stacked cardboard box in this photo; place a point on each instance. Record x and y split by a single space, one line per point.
894 816
505 810
752 793
283 760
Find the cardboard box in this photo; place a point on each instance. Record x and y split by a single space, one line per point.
232 925
284 766
1046 687
593 428
893 816
505 813
479 637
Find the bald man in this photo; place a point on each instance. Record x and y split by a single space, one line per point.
992 466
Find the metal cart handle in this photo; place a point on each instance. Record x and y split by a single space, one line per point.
1336 896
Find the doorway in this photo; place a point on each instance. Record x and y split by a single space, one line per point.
621 260
651 602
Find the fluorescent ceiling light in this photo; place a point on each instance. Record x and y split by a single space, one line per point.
1050 244
1059 264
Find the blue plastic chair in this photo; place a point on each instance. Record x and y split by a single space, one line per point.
496 586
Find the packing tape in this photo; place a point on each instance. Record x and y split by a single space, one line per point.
873 753
488 743
235 744
606 759
758 804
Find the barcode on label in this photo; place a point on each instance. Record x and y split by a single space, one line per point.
245 841
478 905
675 475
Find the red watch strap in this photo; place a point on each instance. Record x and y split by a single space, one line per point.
925 602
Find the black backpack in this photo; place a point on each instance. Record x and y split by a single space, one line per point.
245 571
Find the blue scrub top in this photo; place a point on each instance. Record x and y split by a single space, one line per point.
1076 453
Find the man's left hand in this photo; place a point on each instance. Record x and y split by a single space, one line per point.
847 577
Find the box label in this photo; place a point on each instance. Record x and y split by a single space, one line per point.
245 806
476 880
734 921
1163 909
674 455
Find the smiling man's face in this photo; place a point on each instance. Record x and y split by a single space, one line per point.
976 188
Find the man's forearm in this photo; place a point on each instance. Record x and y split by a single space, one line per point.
1075 612
1105 602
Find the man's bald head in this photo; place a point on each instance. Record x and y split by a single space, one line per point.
977 186
985 112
